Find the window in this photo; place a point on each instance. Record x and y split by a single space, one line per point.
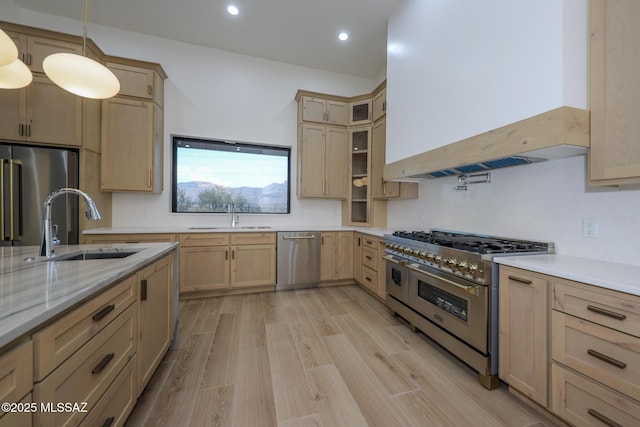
213 175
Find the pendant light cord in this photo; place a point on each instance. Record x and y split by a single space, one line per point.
84 39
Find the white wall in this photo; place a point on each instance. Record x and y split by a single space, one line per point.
213 93
459 68
546 201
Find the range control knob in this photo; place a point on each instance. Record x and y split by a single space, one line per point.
422 254
438 260
451 263
430 256
472 268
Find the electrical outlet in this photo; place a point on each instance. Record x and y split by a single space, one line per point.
590 228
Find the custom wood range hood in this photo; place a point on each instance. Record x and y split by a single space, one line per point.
562 132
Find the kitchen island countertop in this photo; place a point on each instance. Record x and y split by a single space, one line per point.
609 275
34 290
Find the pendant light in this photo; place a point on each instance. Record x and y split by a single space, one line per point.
80 75
14 74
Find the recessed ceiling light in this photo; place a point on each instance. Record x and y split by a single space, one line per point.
343 36
233 10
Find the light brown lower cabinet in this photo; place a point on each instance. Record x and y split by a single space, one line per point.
575 343
16 378
524 324
155 320
221 261
21 419
336 255
372 266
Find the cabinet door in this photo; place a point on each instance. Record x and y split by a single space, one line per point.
253 265
39 48
328 255
13 110
380 188
360 112
127 145
313 109
345 255
311 161
204 268
155 305
336 113
53 115
380 104
614 65
336 163
357 257
134 81
524 314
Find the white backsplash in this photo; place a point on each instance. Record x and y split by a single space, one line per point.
544 201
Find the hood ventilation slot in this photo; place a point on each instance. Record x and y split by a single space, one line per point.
484 166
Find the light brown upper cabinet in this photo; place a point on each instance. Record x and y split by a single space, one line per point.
360 112
322 161
321 110
614 87
41 112
380 188
33 49
379 103
133 129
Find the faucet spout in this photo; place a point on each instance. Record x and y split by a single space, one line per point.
235 219
92 213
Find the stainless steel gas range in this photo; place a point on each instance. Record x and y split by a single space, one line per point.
445 284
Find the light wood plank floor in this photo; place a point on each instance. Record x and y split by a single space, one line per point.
316 357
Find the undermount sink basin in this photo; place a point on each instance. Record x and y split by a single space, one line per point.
256 227
88 255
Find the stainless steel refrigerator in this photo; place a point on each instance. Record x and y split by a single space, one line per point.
28 175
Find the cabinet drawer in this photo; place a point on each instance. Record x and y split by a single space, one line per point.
253 238
370 258
370 279
22 419
370 242
86 375
204 239
608 308
586 403
54 344
16 373
606 355
116 403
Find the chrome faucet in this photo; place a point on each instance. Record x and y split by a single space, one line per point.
46 249
235 219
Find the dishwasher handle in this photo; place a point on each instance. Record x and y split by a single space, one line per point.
313 236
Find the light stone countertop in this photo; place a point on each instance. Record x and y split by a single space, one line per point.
610 275
33 292
240 229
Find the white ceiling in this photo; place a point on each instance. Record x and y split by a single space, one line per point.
300 32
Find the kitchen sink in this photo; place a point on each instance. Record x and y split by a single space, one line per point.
251 227
88 255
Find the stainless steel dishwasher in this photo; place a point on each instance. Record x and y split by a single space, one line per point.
298 260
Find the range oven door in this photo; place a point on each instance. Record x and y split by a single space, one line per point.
457 305
397 278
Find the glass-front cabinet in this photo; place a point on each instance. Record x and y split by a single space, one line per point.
360 167
360 112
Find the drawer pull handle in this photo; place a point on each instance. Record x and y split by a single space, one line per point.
103 313
607 359
368 279
598 416
143 290
519 280
369 258
103 363
108 422
605 312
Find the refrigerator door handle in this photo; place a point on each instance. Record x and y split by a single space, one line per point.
3 236
13 234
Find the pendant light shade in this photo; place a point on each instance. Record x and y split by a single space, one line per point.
81 76
8 49
15 75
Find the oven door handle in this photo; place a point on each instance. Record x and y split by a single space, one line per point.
388 258
473 290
